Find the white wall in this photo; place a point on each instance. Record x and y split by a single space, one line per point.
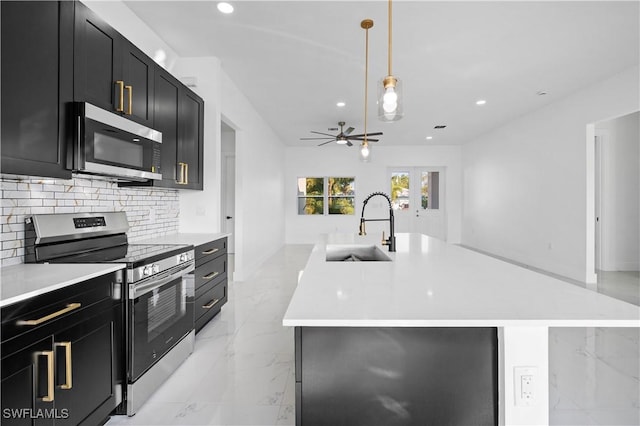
620 218
527 195
370 177
260 201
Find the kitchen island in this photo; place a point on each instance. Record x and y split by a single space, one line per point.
488 320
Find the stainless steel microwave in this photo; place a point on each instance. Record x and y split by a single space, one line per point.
107 144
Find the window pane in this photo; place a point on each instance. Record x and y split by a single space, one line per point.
342 205
310 205
341 186
430 190
400 190
310 186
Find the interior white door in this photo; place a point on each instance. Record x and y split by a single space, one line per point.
417 195
230 200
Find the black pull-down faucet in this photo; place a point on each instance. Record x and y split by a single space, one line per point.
391 241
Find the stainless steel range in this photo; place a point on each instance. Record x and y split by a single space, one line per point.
159 304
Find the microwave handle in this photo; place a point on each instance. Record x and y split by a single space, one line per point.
79 142
137 290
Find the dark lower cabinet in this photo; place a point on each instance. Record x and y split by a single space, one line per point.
396 376
36 87
67 369
211 280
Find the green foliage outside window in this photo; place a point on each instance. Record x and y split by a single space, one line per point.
340 197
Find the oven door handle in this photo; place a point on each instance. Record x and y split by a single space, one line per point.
137 290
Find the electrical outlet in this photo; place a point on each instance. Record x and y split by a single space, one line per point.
525 385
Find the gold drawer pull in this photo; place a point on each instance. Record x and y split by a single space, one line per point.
211 304
70 307
49 354
213 250
67 362
211 275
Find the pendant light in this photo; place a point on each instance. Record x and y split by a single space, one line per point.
365 149
390 89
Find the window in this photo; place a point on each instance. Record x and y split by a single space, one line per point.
338 197
400 190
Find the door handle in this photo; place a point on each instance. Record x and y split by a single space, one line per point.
67 364
120 107
130 89
229 217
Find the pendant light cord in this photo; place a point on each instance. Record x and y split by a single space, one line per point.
390 32
366 82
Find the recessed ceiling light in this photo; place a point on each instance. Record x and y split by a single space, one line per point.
429 138
225 7
340 104
481 102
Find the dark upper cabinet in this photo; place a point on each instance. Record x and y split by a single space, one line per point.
167 95
36 87
109 71
190 139
179 115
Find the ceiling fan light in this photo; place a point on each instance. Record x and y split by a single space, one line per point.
341 141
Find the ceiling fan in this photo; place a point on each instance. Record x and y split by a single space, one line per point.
344 137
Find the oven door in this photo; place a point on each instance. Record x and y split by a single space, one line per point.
160 314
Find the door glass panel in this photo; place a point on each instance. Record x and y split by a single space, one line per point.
430 190
400 190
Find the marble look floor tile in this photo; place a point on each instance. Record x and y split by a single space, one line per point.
226 415
286 415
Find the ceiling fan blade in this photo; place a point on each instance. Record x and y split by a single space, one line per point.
324 143
362 138
348 131
320 133
349 143
363 134
316 139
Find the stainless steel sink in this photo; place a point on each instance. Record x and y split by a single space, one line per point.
355 253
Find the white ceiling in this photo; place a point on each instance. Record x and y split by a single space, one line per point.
295 59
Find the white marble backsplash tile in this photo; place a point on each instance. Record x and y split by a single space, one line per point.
151 212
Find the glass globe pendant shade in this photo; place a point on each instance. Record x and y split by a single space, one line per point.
390 99
365 152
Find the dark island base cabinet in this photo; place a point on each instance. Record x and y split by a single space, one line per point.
396 376
68 370
211 280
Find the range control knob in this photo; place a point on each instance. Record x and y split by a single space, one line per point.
147 270
156 268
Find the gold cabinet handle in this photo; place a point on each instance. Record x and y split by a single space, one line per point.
67 362
130 89
214 274
186 173
120 107
49 354
211 304
182 179
70 307
213 250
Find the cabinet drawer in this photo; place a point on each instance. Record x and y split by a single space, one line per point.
210 250
210 302
48 308
209 271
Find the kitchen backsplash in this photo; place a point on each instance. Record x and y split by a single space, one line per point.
151 212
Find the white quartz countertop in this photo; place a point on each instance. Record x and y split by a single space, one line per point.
22 282
430 283
194 239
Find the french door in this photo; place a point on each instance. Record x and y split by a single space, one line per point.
418 195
